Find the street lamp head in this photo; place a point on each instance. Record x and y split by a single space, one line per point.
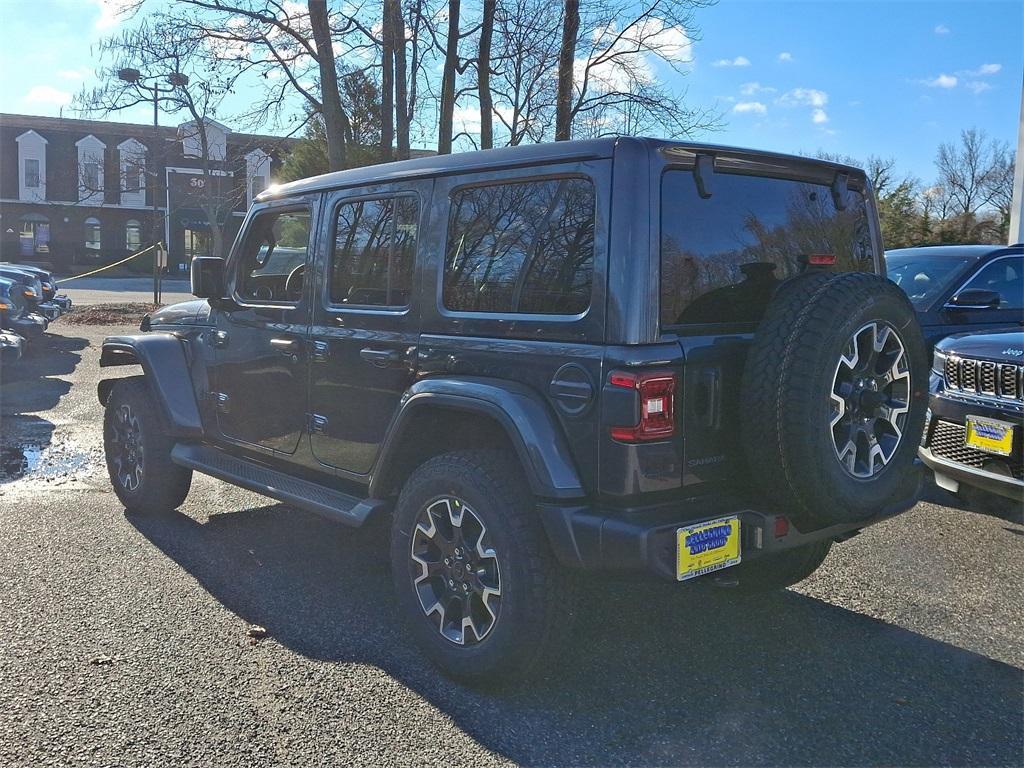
129 75
177 79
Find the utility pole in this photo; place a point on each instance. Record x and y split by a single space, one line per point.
1017 207
176 80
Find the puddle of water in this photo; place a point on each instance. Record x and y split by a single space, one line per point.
59 462
18 460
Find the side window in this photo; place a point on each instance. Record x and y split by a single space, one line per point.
374 251
273 259
1005 277
525 247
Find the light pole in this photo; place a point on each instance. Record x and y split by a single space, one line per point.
176 80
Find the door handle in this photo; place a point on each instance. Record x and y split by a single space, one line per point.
288 347
382 358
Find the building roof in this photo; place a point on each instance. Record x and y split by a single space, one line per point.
139 130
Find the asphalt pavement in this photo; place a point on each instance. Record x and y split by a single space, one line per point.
103 290
130 641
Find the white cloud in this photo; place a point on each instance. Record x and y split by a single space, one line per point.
785 56
989 69
71 74
978 86
628 66
739 61
941 29
942 81
112 12
819 116
749 89
47 95
753 107
810 97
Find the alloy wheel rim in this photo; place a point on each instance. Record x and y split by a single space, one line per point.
455 571
870 400
128 452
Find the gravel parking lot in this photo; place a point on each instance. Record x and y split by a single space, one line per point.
128 641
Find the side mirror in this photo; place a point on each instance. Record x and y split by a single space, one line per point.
975 298
208 277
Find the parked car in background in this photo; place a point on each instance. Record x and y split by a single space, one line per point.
961 288
11 347
14 315
32 291
974 429
49 284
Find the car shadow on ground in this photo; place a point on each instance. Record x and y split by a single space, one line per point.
656 674
976 501
29 386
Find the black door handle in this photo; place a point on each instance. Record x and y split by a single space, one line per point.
382 358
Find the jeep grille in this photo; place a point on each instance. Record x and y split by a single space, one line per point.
980 377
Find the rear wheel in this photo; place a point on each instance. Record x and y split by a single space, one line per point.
475 581
138 452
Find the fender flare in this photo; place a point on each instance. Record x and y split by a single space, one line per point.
526 420
162 357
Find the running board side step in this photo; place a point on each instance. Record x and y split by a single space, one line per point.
311 497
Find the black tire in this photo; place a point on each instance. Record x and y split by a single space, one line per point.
781 570
536 598
139 464
793 451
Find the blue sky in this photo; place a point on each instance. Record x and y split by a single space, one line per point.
857 78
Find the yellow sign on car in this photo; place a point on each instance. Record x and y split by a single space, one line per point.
706 547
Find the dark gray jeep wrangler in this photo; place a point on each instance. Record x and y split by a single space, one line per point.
622 354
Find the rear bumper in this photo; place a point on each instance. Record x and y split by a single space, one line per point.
645 540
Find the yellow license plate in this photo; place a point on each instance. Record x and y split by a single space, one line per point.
989 435
706 547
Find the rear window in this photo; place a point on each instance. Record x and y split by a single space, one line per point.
523 247
723 256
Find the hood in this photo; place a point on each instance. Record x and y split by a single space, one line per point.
1006 346
195 312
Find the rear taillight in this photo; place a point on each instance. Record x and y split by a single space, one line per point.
657 393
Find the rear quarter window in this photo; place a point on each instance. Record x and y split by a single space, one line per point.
521 247
723 256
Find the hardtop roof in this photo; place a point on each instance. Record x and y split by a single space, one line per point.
511 157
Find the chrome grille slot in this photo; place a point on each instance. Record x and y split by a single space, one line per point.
1009 381
969 375
987 378
953 372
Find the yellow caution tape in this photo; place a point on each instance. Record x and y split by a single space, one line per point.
116 263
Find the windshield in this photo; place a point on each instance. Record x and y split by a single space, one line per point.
924 278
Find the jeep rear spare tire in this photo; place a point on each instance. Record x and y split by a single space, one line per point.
833 398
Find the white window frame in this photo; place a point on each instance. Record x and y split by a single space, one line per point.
133 154
91 150
31 146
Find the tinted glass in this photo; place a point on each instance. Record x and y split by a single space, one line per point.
1005 277
374 251
524 247
924 278
274 255
723 256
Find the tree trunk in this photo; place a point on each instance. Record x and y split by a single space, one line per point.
401 79
566 62
483 77
451 63
387 84
330 98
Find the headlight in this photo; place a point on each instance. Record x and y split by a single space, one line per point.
938 361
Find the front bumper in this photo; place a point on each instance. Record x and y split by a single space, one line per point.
11 346
30 326
48 309
950 474
63 301
586 538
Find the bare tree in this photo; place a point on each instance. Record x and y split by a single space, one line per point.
566 70
966 172
451 67
330 106
483 77
393 18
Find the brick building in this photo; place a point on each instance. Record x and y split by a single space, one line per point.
80 192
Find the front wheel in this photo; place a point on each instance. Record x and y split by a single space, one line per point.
138 452
474 579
